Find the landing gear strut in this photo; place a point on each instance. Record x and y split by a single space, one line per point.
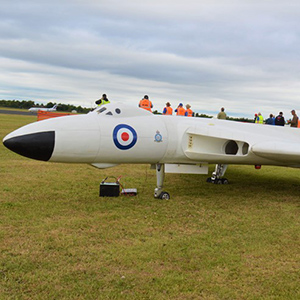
160 175
217 175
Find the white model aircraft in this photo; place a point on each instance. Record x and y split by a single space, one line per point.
116 134
36 109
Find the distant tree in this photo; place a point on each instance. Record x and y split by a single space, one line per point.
79 109
245 120
49 104
27 104
157 112
202 116
16 103
63 107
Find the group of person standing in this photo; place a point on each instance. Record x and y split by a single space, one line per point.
278 120
145 103
180 110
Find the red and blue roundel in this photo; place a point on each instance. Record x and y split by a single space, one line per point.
124 136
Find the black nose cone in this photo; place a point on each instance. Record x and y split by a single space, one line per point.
38 146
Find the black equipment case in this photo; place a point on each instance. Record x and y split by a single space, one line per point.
109 189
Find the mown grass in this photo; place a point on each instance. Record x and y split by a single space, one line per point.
60 240
15 109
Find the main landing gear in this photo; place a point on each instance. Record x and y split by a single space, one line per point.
217 175
216 178
160 175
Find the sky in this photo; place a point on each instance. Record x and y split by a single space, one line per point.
242 55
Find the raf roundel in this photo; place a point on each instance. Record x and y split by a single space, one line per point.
124 136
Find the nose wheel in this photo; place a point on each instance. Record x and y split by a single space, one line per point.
164 196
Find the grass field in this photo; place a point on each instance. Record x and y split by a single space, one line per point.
60 240
14 109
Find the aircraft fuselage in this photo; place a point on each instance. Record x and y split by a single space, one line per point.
117 133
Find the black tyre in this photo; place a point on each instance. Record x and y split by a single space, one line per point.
164 196
225 181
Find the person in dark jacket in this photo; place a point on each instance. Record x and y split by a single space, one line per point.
279 120
271 120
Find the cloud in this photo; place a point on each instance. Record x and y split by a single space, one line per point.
241 55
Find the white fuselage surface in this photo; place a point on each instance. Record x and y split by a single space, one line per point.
117 133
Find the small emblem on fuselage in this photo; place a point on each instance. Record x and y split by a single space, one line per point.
158 137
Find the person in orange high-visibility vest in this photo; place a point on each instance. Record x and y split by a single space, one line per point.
188 111
168 110
180 111
145 103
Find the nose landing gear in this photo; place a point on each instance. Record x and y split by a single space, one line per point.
160 175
